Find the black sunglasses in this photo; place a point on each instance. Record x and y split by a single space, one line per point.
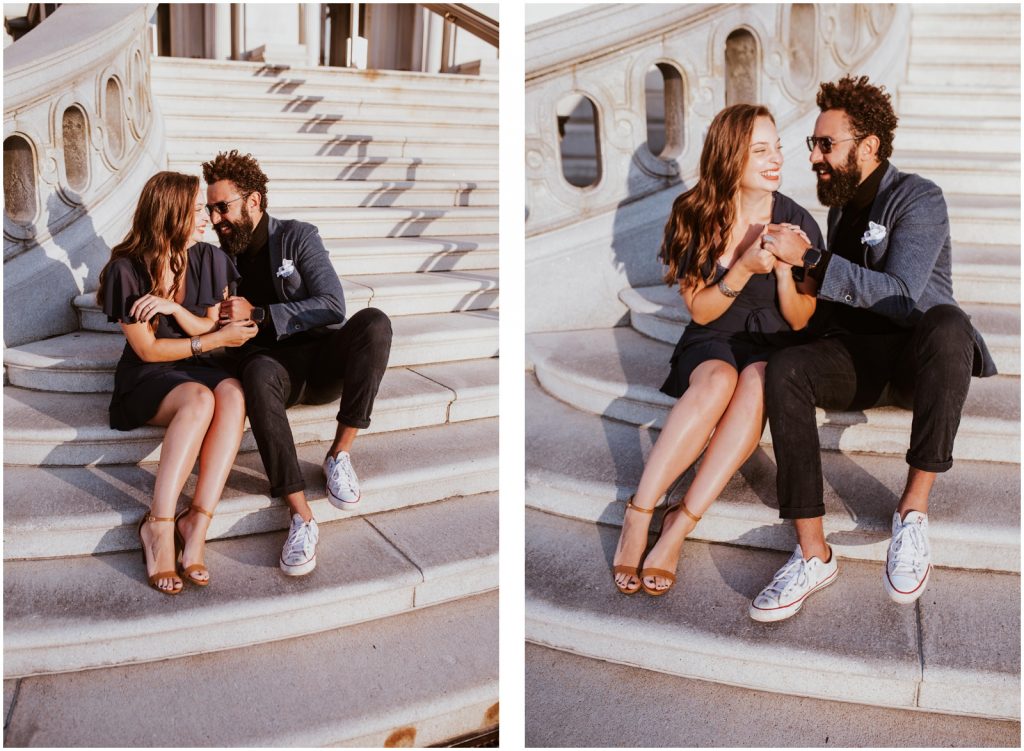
825 143
221 207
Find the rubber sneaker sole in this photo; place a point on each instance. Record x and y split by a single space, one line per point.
771 615
898 595
340 503
299 570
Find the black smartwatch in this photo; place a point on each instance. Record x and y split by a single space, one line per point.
812 257
258 315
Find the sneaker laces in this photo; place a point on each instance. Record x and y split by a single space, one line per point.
298 542
908 550
341 469
793 573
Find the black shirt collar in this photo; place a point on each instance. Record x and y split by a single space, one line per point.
260 236
868 189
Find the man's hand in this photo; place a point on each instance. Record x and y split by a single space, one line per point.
785 244
235 309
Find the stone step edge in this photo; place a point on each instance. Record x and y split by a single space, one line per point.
736 662
437 403
882 430
958 546
63 648
258 513
471 707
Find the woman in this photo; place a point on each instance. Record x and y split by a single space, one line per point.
743 304
166 295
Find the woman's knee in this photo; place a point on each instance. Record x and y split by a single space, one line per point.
229 395
195 399
715 379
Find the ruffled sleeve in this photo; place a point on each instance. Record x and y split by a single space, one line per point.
123 288
215 273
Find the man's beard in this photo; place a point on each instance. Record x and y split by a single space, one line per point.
841 189
241 233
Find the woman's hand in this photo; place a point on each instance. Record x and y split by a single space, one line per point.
237 333
756 259
148 306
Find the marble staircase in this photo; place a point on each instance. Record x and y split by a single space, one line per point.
593 413
392 640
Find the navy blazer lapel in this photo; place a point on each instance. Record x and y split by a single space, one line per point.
276 255
873 254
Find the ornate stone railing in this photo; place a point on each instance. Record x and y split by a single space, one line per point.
81 136
708 56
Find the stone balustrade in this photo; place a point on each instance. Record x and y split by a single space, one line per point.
81 137
588 102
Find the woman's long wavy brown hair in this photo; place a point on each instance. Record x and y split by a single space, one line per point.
160 232
702 217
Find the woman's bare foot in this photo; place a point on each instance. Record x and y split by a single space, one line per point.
631 547
193 526
161 555
666 551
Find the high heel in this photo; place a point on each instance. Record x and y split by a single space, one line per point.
145 562
630 570
195 568
670 575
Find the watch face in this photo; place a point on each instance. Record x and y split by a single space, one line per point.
812 257
258 314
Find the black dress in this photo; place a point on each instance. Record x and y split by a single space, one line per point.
140 386
752 327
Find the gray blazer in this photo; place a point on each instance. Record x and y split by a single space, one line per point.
910 270
311 295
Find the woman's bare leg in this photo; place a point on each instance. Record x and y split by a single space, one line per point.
734 440
186 411
682 439
216 457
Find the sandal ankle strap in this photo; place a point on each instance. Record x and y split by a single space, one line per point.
682 507
199 510
151 518
631 505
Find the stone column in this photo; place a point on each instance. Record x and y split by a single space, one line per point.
434 41
218 31
309 31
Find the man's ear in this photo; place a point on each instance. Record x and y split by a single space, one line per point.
254 200
869 147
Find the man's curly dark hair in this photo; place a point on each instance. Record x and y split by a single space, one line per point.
869 108
243 170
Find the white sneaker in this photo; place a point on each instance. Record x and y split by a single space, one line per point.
793 583
298 556
909 561
342 483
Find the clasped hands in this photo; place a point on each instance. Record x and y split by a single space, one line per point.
778 246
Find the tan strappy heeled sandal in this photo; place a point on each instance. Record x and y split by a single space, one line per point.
145 562
195 567
670 575
630 570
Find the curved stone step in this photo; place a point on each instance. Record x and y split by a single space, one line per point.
84 361
56 429
704 714
960 72
421 677
396 193
69 614
977 172
349 144
379 255
617 372
593 481
659 313
190 122
315 107
980 101
946 653
350 168
959 133
68 511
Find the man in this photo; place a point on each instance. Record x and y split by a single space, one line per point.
893 334
302 353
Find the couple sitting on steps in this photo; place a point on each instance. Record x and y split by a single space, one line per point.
213 335
782 323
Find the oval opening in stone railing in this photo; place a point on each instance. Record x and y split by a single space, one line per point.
579 140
